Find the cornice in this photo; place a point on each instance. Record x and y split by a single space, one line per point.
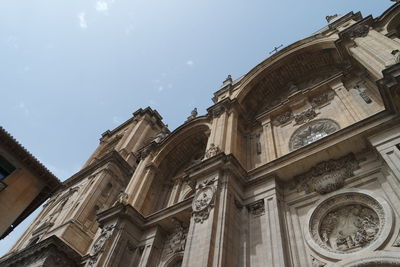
111 157
18 258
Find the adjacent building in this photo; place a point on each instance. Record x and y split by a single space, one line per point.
297 163
25 183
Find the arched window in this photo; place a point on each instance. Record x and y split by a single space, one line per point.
312 132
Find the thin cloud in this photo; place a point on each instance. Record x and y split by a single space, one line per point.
21 105
102 6
190 63
116 120
160 88
82 20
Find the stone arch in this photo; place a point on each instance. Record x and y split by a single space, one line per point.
293 68
308 133
198 126
184 147
371 259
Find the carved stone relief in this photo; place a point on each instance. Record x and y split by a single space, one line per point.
98 246
322 99
305 116
283 118
349 228
176 241
312 132
203 201
257 208
358 30
348 222
212 151
327 176
317 263
396 243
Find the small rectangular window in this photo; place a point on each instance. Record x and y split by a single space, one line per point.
6 168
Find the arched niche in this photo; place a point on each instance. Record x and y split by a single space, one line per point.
184 148
300 68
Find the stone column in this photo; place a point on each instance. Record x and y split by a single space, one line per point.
387 143
143 187
267 237
231 133
201 234
137 179
371 48
346 98
269 141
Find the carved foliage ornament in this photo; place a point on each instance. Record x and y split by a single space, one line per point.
305 116
257 208
212 151
203 201
283 118
348 222
327 176
358 30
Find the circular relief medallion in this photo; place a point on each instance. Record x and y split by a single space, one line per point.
348 221
203 199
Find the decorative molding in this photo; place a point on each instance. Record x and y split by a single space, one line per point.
203 201
283 118
212 151
98 246
347 222
327 176
316 262
396 242
257 208
305 116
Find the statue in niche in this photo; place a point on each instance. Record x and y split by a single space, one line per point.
349 228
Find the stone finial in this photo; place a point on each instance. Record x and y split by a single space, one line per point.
227 81
193 115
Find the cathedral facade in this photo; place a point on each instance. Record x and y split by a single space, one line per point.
297 163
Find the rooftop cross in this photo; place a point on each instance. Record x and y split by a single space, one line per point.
275 49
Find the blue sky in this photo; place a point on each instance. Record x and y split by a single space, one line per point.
69 70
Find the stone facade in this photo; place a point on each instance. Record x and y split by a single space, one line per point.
295 164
